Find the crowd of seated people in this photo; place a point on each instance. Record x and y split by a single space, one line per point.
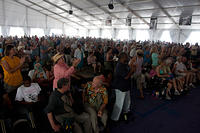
50 75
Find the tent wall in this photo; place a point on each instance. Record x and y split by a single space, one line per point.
179 36
13 14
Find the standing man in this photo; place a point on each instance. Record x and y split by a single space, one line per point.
44 49
122 85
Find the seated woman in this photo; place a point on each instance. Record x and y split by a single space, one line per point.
172 79
39 73
37 60
96 98
92 61
160 70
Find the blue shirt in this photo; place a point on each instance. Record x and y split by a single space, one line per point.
146 60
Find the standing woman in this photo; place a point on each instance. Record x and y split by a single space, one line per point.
108 64
79 54
154 57
11 67
61 69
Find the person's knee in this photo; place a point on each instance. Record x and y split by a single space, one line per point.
104 118
77 128
92 113
169 85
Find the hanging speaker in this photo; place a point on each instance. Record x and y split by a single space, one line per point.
108 22
70 12
185 20
128 21
153 23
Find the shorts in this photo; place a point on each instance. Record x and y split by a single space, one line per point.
9 88
140 80
181 74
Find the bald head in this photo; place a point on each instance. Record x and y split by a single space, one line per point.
97 82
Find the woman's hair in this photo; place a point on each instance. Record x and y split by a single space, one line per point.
122 55
47 67
7 50
106 73
154 49
109 48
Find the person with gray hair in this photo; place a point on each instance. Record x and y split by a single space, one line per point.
60 107
96 98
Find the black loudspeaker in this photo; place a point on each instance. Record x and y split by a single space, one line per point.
128 21
70 12
111 6
185 20
153 23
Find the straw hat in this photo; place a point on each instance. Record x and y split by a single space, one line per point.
139 51
20 47
56 57
8 42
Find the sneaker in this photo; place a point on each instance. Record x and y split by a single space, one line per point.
125 117
186 88
168 97
191 85
176 93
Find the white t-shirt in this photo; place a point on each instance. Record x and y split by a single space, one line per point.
180 67
29 94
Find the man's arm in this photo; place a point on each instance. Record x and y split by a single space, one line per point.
105 102
55 126
100 112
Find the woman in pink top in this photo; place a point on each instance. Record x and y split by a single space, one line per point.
61 69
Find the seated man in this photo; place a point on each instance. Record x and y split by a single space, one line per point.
182 72
28 92
96 98
60 107
29 100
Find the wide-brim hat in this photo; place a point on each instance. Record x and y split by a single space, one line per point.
56 57
139 51
20 47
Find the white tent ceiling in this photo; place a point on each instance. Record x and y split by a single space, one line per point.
92 14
